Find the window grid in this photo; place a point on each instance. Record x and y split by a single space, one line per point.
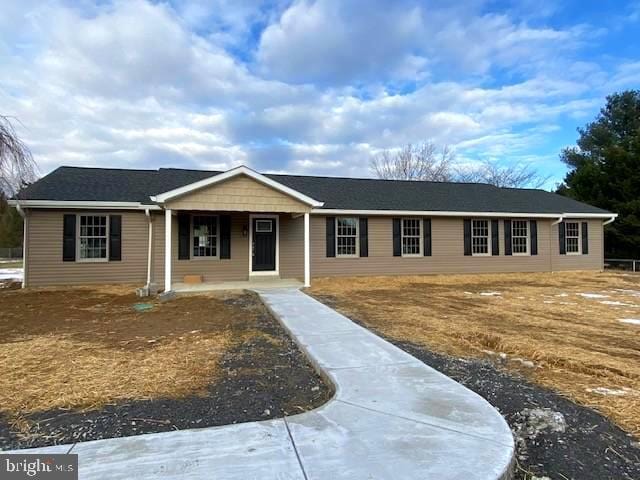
346 237
93 237
480 237
572 237
264 226
411 236
205 236
520 237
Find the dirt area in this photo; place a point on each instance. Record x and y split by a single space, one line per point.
83 363
568 325
566 342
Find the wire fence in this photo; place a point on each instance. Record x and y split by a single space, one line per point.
11 253
628 264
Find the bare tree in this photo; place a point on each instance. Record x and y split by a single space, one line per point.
513 176
16 162
415 162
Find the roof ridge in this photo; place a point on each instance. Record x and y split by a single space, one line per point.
107 168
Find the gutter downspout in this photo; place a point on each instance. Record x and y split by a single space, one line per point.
23 214
149 247
611 220
560 219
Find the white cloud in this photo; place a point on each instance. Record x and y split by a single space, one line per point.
140 84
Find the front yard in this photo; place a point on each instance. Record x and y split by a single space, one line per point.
556 336
84 363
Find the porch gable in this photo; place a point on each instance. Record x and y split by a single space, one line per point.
238 194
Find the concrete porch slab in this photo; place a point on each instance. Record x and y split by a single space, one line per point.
265 283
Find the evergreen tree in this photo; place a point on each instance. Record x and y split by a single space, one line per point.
605 170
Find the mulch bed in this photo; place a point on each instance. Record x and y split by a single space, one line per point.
260 380
591 447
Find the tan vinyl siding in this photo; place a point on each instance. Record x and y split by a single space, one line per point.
211 269
241 194
291 247
44 252
448 252
593 261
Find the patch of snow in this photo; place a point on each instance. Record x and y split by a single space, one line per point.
635 293
468 293
612 302
502 355
490 294
593 295
489 352
616 392
523 362
11 273
631 321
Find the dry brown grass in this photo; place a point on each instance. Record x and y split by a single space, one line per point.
577 343
82 348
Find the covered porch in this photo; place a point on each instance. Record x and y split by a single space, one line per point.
239 229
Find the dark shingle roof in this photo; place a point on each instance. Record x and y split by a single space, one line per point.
97 184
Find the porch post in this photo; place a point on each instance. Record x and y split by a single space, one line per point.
307 259
167 250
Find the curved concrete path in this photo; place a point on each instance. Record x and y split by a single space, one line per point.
392 417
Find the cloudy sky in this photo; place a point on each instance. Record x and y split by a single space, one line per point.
313 87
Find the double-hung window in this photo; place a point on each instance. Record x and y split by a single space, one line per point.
205 236
346 237
92 238
480 237
411 237
520 237
572 237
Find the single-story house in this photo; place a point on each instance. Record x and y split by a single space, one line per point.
95 225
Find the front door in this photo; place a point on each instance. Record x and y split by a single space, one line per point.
264 245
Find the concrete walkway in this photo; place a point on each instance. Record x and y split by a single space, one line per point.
392 418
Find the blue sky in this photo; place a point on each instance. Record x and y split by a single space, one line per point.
309 87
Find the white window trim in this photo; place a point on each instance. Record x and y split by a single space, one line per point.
528 237
354 255
79 259
191 237
489 240
421 238
566 250
267 272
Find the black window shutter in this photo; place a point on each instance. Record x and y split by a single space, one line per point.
69 238
364 237
184 225
533 225
585 238
562 245
331 236
507 237
397 239
115 238
467 236
426 240
225 236
495 241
